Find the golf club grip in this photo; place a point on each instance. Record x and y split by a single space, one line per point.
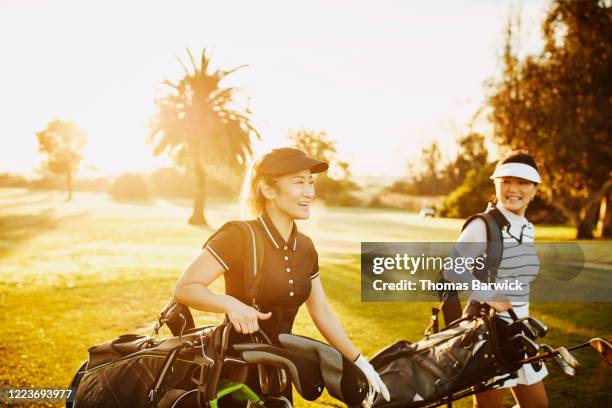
512 315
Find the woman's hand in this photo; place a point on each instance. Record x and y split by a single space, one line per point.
244 318
501 305
376 383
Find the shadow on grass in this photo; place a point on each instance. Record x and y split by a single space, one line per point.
15 229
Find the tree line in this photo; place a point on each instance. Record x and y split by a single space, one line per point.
555 104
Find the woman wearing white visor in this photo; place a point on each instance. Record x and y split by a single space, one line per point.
516 179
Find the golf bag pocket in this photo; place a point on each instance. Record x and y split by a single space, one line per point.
135 379
115 349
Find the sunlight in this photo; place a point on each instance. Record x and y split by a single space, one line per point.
389 75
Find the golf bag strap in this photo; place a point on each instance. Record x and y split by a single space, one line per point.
495 222
450 304
161 376
253 260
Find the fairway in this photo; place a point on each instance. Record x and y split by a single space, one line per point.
76 274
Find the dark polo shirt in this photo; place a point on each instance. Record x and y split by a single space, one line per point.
288 268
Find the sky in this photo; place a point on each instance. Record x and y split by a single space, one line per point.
383 78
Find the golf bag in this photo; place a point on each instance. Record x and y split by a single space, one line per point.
465 354
137 371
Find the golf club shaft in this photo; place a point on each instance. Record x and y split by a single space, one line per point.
579 346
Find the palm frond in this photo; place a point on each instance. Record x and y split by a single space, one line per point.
187 73
193 63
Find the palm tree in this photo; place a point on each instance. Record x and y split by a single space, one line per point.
199 123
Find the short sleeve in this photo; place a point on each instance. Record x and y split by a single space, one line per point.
226 246
315 264
475 231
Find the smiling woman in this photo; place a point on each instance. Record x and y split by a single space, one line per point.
278 191
516 179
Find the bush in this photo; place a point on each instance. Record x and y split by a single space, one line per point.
337 192
12 180
220 182
130 187
472 195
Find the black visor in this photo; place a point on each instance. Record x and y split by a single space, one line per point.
288 160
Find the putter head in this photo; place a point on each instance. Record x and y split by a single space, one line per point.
603 348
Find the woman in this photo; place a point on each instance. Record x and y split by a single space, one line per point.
516 179
279 191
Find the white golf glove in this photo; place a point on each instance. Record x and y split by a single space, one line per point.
376 384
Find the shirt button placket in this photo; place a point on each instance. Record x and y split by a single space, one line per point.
288 269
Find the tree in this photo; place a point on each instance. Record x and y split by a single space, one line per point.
557 106
472 155
470 197
62 142
333 186
199 123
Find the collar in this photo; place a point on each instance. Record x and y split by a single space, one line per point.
510 216
275 236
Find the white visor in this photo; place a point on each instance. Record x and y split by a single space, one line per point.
519 170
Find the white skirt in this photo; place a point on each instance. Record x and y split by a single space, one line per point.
526 374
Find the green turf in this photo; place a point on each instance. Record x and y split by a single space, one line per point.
77 274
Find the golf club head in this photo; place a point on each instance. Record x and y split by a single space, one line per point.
546 348
539 328
567 369
524 327
528 345
603 348
568 357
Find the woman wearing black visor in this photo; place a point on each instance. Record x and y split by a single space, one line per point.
279 191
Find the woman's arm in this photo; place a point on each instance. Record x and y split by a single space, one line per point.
327 323
473 243
331 328
192 287
192 290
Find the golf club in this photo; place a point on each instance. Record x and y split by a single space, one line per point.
550 353
601 346
539 328
524 327
568 357
529 346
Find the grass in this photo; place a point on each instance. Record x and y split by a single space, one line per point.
80 273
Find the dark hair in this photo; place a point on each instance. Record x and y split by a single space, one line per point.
518 156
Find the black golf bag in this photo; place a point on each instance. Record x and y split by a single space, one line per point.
138 371
467 353
203 366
